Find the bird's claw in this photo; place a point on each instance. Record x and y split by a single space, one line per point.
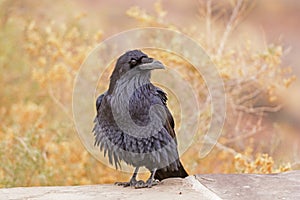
124 184
148 184
138 184
151 182
131 183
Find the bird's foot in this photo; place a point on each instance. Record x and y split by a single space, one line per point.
151 182
138 184
132 183
148 184
124 184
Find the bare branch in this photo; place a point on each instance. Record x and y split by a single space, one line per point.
208 22
242 136
25 146
258 110
229 26
249 97
237 126
225 148
60 104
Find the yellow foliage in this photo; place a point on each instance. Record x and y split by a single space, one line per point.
262 164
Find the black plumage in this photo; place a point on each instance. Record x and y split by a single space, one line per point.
133 123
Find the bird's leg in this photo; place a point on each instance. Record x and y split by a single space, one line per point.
140 184
132 181
151 181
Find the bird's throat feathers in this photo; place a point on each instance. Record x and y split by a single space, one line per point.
129 82
124 89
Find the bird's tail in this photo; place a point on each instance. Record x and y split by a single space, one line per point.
167 173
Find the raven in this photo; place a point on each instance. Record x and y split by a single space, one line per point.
133 123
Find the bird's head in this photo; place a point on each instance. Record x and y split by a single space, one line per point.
133 63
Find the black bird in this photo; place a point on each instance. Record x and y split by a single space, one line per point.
133 123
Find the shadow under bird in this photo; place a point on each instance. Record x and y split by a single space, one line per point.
133 123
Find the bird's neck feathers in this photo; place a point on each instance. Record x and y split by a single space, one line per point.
128 82
124 89
113 80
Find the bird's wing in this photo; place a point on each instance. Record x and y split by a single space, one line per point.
99 100
98 103
174 169
101 137
169 123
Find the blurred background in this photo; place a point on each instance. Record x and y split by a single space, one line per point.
254 44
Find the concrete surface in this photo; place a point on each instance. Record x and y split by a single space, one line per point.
254 186
208 186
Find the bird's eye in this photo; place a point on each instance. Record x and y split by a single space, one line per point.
132 62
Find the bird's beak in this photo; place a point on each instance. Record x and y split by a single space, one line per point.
151 64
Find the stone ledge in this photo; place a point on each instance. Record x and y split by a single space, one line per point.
207 186
253 186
